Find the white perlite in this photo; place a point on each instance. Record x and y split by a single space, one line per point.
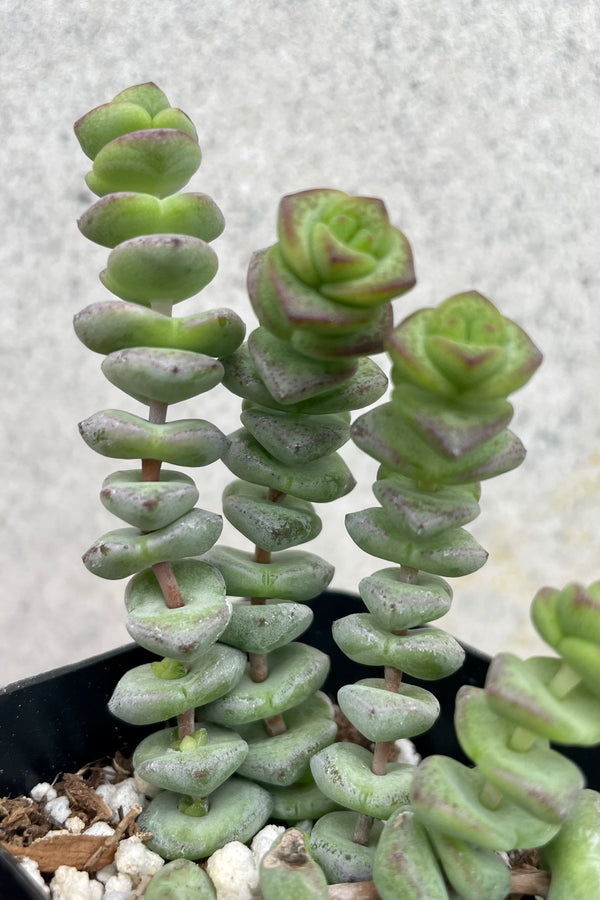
75 825
100 829
118 887
43 791
32 869
264 840
58 810
127 795
135 860
121 797
107 872
407 752
233 871
69 884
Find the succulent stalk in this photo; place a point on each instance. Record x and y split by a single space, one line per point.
322 296
143 151
443 430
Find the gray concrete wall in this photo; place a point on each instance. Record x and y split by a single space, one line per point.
478 125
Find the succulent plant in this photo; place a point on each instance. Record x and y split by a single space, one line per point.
335 267
443 430
143 150
521 793
255 735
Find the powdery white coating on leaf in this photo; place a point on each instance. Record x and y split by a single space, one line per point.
233 871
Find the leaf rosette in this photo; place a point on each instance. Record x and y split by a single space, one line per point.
327 284
463 349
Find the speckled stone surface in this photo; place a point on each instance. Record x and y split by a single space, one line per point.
477 124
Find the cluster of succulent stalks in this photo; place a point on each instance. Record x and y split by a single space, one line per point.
255 736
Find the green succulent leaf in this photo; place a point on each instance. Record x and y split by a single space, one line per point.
288 375
135 108
405 864
263 628
386 434
426 513
319 481
295 672
197 771
283 759
142 698
237 810
426 653
156 161
153 267
341 858
148 505
120 553
572 855
287 870
345 246
569 620
383 715
397 604
185 442
299 802
114 325
452 553
463 348
117 217
185 632
294 439
158 374
291 575
474 872
180 879
521 691
366 386
447 796
272 526
541 780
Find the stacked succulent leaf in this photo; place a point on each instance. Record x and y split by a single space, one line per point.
143 150
521 791
322 296
443 430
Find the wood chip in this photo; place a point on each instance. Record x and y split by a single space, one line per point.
84 801
67 850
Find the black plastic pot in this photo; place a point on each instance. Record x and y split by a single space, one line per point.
59 721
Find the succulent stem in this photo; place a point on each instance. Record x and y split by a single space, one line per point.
362 830
522 739
564 681
490 796
185 724
168 584
259 664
